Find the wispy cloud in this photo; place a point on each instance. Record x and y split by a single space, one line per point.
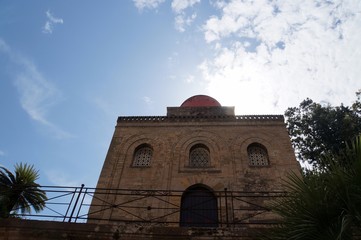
179 7
2 153
37 94
147 100
58 178
182 19
151 4
189 79
50 22
4 48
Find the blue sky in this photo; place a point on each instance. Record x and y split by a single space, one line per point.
69 69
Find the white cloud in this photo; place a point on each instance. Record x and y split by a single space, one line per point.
181 21
50 22
151 4
280 52
37 94
190 79
2 153
179 6
270 55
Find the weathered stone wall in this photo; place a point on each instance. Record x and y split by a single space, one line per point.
17 229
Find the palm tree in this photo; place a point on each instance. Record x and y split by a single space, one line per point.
20 191
322 204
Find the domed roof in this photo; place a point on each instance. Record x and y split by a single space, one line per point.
201 101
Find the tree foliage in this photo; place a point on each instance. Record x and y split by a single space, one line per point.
20 192
322 205
317 130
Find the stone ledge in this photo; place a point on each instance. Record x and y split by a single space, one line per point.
237 118
19 229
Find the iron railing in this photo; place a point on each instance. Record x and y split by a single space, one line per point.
154 207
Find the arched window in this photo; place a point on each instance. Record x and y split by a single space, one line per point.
257 155
199 156
142 156
198 208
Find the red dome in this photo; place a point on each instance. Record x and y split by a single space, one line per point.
201 101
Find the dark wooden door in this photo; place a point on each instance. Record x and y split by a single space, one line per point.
199 208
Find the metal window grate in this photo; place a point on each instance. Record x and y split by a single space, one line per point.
199 157
257 156
143 157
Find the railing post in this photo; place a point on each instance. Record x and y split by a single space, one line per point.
220 208
225 196
71 201
232 205
81 204
76 202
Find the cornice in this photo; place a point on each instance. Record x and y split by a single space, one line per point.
236 118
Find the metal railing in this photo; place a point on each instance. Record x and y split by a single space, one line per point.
236 210
155 207
63 204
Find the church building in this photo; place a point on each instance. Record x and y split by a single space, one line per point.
199 166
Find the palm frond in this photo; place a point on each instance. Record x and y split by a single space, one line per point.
20 192
322 204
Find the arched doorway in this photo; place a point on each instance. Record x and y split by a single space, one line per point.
198 208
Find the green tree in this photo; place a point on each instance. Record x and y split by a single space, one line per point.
323 204
317 130
20 191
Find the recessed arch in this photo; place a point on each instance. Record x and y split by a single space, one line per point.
182 149
198 207
240 145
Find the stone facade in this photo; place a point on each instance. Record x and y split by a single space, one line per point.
224 142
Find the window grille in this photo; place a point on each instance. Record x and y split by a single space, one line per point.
199 157
143 157
257 155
